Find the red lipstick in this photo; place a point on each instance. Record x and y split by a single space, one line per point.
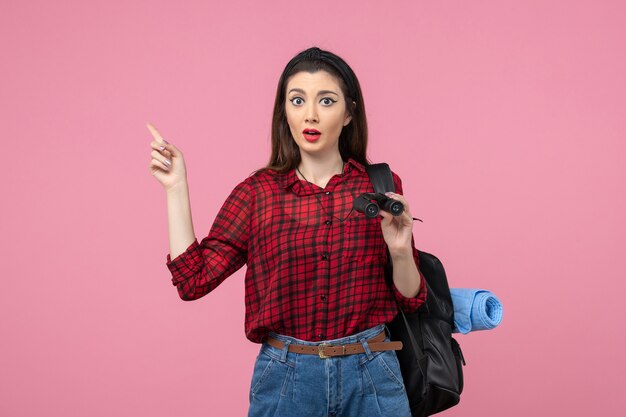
311 135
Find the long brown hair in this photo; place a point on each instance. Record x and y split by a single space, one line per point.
353 138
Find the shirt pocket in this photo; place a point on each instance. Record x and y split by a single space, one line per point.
363 240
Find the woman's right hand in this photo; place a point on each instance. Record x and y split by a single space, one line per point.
169 174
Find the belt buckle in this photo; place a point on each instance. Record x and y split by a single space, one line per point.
320 350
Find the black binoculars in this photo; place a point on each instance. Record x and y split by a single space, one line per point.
371 203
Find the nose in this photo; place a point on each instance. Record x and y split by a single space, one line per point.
311 114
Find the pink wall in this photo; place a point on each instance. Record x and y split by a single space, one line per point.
505 120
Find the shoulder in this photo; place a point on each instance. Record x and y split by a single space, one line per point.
396 177
397 182
260 181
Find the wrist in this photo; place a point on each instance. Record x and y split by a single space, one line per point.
178 188
400 253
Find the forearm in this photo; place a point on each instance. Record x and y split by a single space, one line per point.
406 277
180 226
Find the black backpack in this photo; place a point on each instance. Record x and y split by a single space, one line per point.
431 358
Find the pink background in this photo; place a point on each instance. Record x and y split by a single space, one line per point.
505 120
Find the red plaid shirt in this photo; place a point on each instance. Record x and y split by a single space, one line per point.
309 275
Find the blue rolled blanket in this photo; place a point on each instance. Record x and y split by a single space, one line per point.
475 309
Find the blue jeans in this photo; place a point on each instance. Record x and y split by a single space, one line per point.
289 384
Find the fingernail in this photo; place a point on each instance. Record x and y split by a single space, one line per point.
165 141
167 162
162 148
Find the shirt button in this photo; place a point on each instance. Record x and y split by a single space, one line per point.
324 256
320 336
327 192
327 222
323 297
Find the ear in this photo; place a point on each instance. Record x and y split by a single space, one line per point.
348 116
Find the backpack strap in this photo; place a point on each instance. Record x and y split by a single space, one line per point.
381 177
382 180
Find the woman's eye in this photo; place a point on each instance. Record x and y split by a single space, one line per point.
297 101
327 101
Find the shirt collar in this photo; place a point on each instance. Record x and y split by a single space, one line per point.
290 178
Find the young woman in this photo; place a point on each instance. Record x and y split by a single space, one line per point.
315 291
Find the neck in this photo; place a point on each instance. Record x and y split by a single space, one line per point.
320 170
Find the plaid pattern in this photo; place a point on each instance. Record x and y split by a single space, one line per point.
309 275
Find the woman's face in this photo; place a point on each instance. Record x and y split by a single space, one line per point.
315 101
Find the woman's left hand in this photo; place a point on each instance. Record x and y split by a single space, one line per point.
397 230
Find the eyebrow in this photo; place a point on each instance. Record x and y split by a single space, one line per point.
299 90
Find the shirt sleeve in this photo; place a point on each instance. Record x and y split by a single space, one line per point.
205 265
410 304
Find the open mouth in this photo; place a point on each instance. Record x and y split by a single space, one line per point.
311 134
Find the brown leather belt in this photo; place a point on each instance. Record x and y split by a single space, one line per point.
326 350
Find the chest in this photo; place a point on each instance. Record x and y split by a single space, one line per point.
306 227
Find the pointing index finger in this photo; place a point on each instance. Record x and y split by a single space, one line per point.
155 133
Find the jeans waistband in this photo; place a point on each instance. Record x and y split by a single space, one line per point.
355 338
